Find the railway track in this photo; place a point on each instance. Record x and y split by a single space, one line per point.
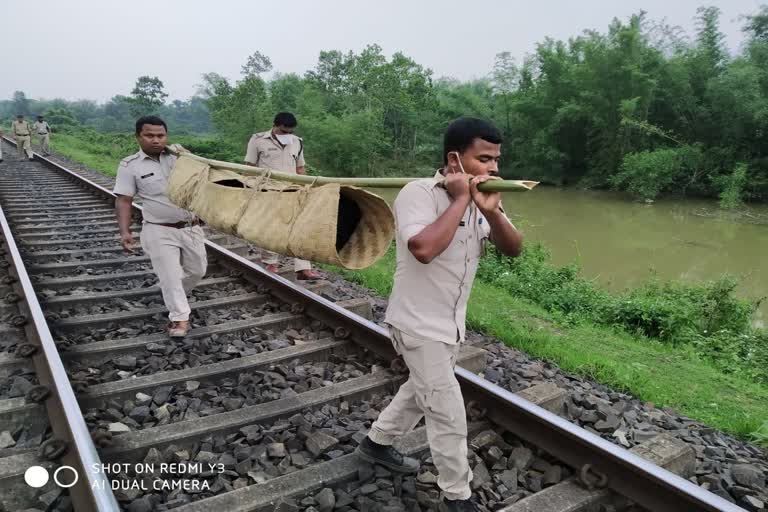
261 405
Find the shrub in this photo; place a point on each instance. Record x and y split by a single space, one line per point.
706 316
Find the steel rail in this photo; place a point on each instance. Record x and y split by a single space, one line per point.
91 490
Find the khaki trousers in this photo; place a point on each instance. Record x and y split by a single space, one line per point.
45 140
24 144
270 258
179 261
433 392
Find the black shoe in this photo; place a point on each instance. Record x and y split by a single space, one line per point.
458 506
387 456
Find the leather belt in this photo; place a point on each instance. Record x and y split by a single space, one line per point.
177 225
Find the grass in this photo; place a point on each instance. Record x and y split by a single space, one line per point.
82 151
665 375
103 152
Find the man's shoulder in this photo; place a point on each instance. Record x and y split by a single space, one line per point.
261 135
417 191
258 139
126 162
427 184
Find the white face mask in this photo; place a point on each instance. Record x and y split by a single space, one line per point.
284 138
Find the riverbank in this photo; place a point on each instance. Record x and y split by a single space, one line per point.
667 375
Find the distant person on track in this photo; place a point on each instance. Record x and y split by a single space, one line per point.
442 224
43 131
281 150
172 237
22 133
1 144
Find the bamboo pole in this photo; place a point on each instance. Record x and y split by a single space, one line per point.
488 186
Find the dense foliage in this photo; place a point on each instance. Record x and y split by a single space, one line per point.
640 107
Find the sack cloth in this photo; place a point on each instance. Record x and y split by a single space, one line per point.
337 224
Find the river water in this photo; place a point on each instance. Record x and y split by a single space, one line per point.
621 243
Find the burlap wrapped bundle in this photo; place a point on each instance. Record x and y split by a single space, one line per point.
336 224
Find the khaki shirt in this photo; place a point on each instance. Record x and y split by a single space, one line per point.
143 176
20 129
430 300
41 128
264 150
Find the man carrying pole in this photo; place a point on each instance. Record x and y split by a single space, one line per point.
172 237
281 150
441 226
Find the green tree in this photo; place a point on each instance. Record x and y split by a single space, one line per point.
257 64
118 115
60 117
147 96
639 105
506 77
20 103
213 84
85 110
285 92
710 39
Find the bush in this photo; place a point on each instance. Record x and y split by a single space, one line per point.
216 148
706 316
744 352
676 312
532 276
120 145
732 187
649 173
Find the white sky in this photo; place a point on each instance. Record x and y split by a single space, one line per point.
97 48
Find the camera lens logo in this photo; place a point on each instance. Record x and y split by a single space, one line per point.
36 476
64 476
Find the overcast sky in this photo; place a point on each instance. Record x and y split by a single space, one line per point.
97 48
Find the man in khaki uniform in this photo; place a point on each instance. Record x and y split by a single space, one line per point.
43 131
281 150
441 226
171 236
22 133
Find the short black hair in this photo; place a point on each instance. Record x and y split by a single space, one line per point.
285 119
153 120
463 131
19 115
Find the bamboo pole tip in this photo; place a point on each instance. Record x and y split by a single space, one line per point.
530 185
